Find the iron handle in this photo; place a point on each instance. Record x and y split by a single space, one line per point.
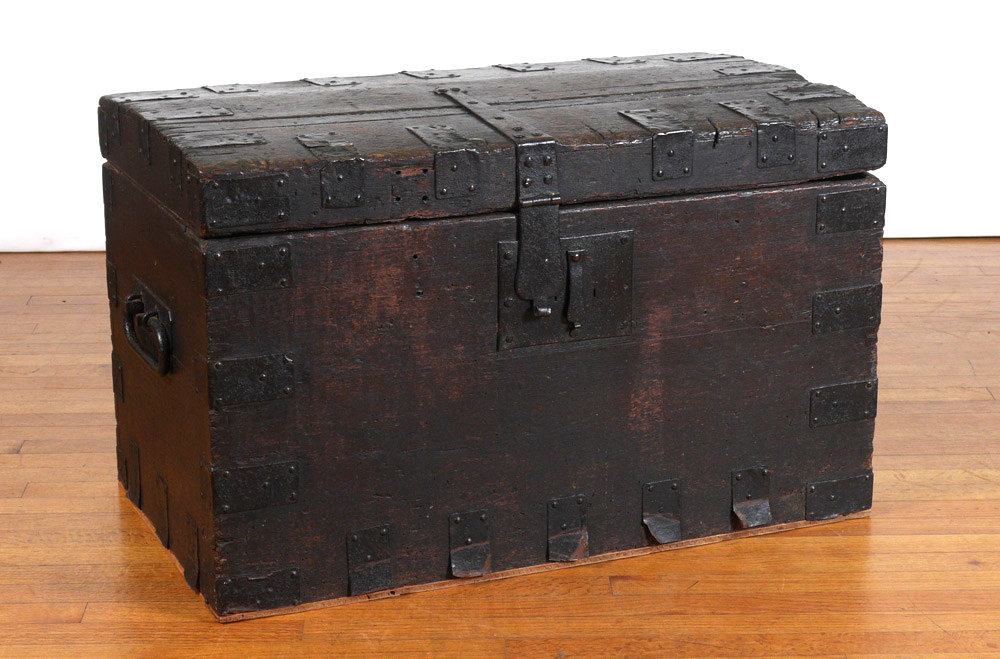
137 318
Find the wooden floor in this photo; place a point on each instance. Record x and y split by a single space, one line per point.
81 575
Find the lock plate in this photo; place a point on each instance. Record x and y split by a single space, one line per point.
596 301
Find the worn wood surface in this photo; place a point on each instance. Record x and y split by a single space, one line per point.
376 149
401 411
81 575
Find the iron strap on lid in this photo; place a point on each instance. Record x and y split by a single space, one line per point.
539 261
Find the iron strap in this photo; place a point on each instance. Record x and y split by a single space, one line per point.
540 264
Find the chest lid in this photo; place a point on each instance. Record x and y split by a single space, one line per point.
320 152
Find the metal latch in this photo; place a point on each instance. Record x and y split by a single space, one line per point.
596 277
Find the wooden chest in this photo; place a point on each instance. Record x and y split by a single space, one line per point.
373 335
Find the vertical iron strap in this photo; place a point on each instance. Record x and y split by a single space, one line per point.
540 267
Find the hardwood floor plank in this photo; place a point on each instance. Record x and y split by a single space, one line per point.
82 574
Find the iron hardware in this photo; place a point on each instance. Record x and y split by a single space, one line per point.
829 499
847 308
568 540
851 210
752 497
240 380
239 489
850 149
147 326
469 540
672 145
843 403
661 510
253 593
369 563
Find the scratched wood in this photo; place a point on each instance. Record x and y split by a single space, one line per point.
82 575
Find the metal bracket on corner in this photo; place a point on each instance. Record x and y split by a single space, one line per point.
752 497
672 144
776 134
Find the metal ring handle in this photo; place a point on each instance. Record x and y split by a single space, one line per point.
135 315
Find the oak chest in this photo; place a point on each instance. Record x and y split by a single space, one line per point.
377 334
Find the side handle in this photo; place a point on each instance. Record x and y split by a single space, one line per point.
147 332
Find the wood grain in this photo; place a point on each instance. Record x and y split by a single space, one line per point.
82 575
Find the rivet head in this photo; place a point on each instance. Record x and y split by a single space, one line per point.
774 138
529 161
443 191
687 170
763 158
340 177
547 178
527 181
833 497
508 255
659 173
547 160
649 488
670 153
739 477
579 499
562 526
846 148
458 520
791 156
472 188
468 541
822 165
673 486
454 168
812 488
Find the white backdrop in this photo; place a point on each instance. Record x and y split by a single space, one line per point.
932 72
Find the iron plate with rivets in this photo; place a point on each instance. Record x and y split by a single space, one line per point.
672 143
694 57
851 210
330 82
342 183
369 561
808 92
661 510
844 496
430 74
776 135
843 403
254 593
232 89
240 380
209 140
852 149
469 539
247 269
525 67
847 308
568 540
752 497
750 68
615 60
246 201
239 489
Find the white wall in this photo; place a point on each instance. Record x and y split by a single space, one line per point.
932 71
